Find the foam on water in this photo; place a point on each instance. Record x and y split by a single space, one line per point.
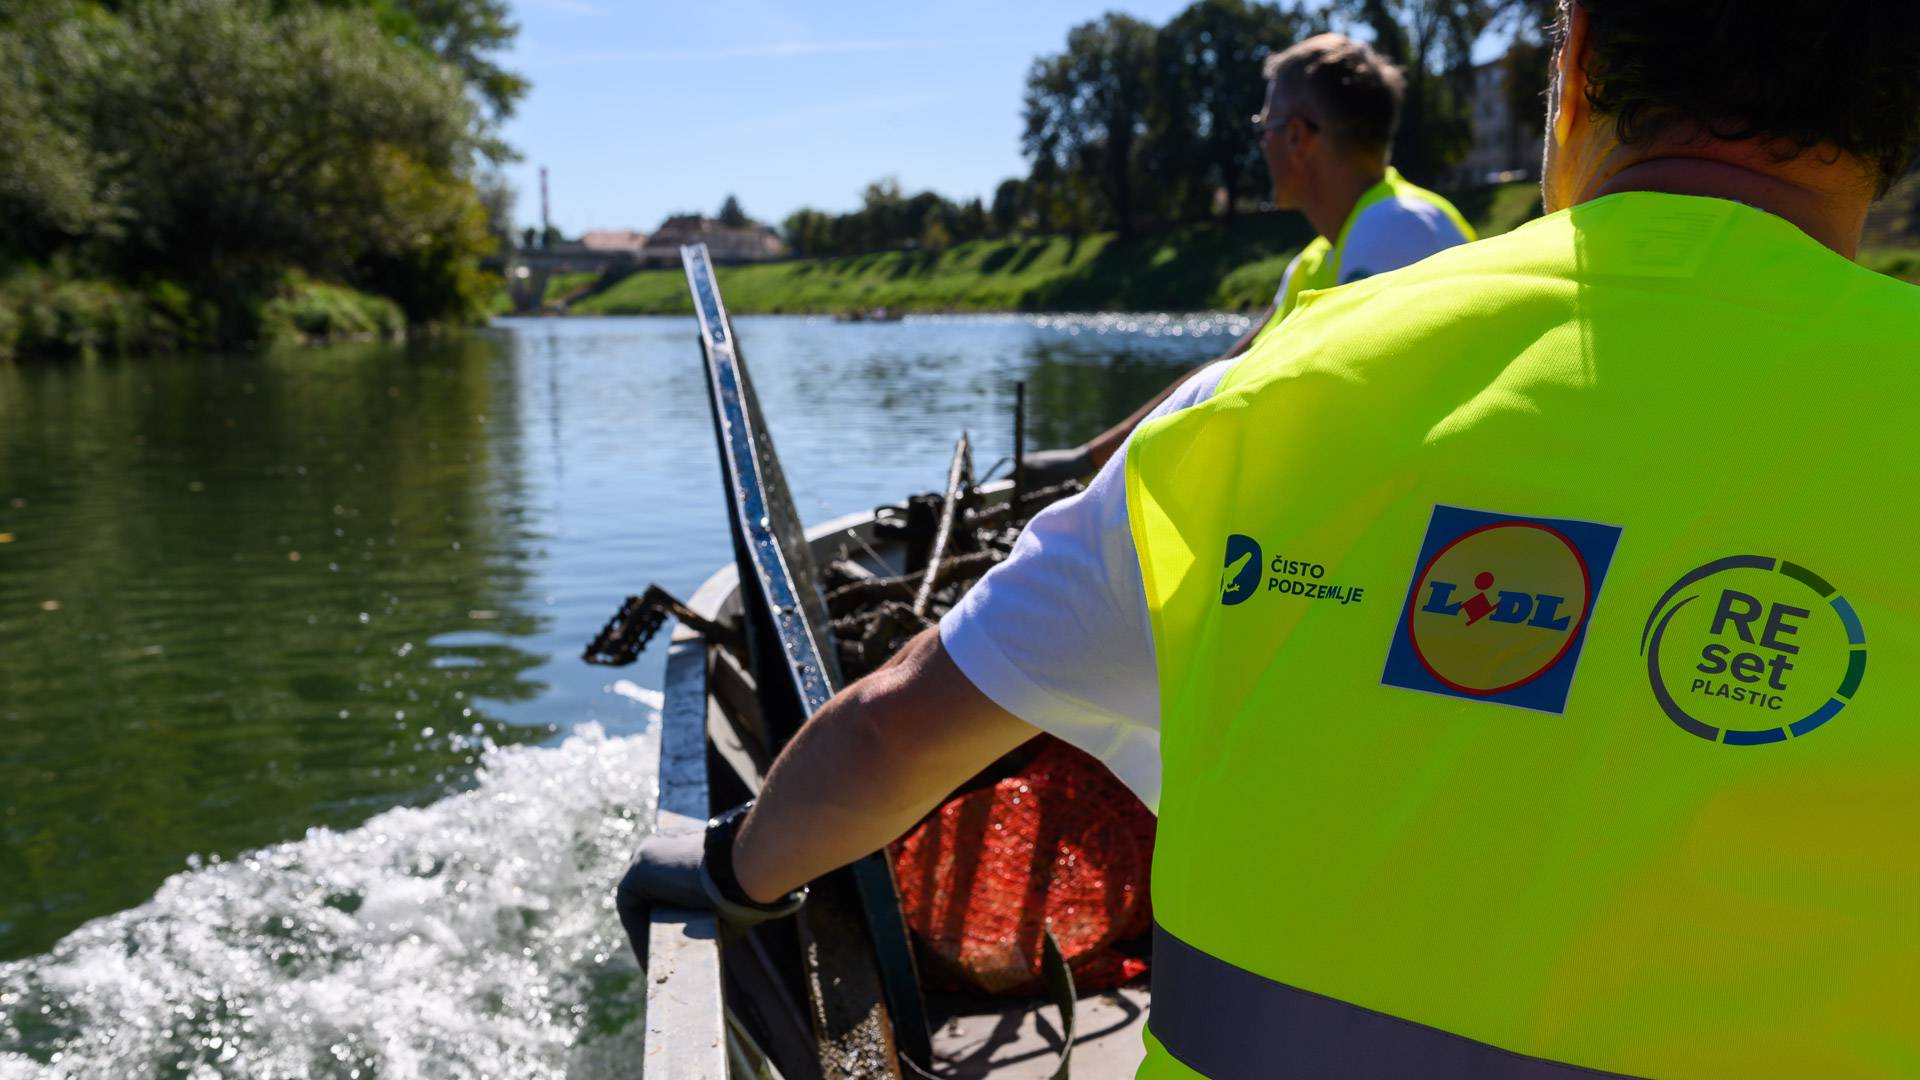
472 937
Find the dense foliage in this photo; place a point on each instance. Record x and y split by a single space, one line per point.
887 218
230 150
1134 126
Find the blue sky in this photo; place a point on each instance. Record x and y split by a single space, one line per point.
639 109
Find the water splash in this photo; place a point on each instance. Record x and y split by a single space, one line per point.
473 937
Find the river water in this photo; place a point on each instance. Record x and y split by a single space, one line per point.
301 774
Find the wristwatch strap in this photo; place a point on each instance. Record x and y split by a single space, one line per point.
722 886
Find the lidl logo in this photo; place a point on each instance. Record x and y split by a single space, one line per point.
1240 579
1499 606
1751 649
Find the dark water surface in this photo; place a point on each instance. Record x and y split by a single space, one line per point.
242 598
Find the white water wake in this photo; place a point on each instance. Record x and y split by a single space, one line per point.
473 937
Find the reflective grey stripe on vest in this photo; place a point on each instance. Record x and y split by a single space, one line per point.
1227 1023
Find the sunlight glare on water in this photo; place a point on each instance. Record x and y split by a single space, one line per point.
473 937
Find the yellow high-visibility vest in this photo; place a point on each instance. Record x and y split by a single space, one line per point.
1318 266
1550 707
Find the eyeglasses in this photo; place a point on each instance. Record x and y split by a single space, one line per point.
1262 123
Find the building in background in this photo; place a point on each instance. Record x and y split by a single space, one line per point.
614 241
1506 143
748 243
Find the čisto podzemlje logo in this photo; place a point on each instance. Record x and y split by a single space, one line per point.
1244 570
1751 649
1241 577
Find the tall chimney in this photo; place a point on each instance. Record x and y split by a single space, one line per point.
546 222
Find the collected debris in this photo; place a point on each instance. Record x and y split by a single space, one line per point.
950 540
1042 849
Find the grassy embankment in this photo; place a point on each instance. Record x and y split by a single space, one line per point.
1188 268
563 286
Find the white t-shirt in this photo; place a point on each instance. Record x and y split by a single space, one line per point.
1388 235
1058 636
1058 633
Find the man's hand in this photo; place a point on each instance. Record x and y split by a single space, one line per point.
1045 468
666 870
677 869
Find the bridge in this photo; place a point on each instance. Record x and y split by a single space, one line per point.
527 270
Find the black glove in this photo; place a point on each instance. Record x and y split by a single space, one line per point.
694 870
1045 468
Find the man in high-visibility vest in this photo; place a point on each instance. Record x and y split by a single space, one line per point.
1331 109
1516 649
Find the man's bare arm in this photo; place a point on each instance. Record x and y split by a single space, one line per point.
869 764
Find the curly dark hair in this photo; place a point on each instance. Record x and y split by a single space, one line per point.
1796 74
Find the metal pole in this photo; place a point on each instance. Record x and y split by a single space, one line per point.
1019 443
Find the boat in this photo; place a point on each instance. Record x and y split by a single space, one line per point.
832 992
880 314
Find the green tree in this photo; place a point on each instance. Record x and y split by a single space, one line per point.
1086 111
1432 41
923 210
1008 206
497 197
810 232
300 138
882 221
1529 55
283 137
731 215
970 221
1208 83
52 192
795 229
466 34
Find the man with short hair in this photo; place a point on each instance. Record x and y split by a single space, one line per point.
1547 716
1332 107
1325 131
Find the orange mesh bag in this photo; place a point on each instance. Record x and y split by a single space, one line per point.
1059 843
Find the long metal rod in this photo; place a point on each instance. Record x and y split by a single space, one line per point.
1019 440
866 996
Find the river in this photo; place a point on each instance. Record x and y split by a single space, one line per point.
302 774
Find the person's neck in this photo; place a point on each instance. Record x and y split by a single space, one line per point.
1333 199
1832 214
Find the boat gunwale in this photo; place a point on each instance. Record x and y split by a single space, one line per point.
686 1009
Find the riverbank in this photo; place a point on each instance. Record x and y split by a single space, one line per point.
1208 266
50 313
1197 267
